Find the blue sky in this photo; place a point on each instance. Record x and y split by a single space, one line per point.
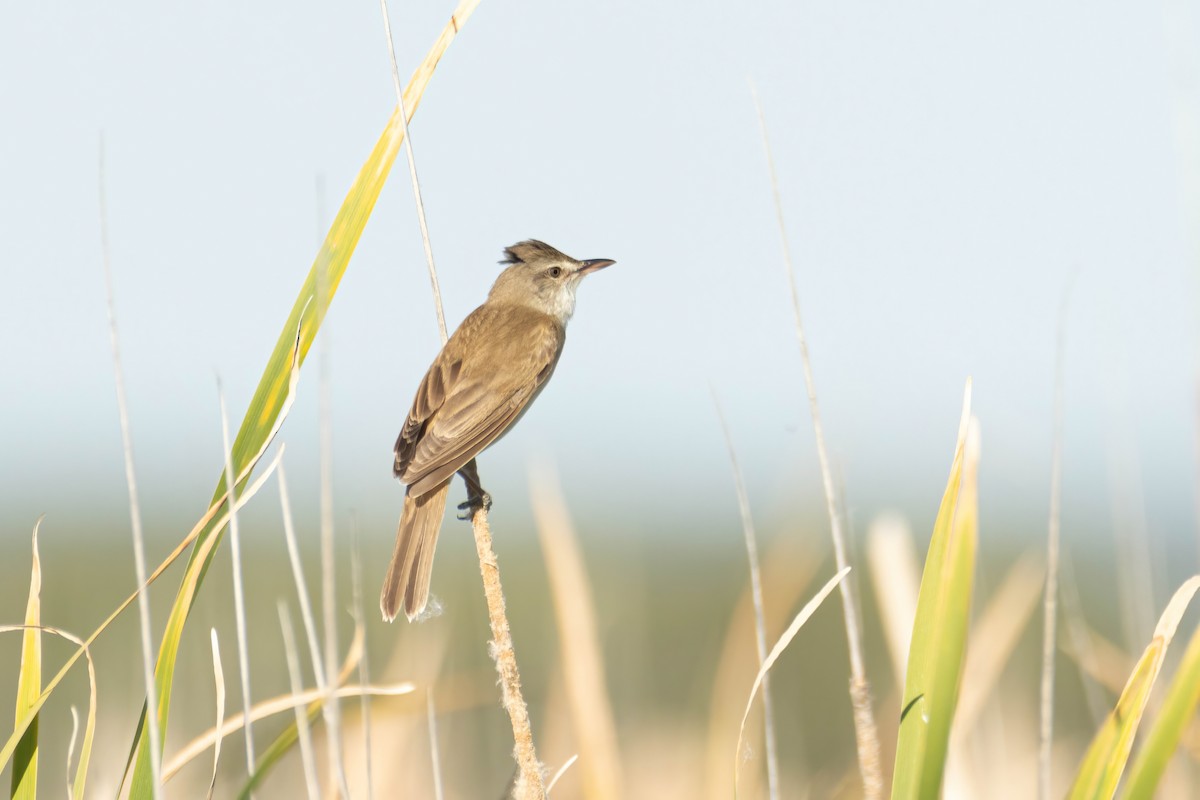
944 170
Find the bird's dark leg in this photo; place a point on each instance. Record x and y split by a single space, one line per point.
476 496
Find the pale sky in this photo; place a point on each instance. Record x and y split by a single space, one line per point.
945 169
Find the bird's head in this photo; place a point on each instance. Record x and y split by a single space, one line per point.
541 277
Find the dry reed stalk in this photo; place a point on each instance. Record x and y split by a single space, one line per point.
239 598
135 514
1050 605
582 657
866 734
787 571
364 675
528 783
434 756
307 761
529 774
756 594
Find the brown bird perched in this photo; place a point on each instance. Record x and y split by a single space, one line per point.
481 383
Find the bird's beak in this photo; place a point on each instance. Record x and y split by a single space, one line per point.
594 264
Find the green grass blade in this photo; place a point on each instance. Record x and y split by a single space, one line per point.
1177 711
940 630
1101 769
261 417
26 719
29 684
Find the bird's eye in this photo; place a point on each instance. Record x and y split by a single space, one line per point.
555 272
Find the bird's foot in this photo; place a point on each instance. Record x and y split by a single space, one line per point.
468 507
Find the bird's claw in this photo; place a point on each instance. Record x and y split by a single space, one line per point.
468 506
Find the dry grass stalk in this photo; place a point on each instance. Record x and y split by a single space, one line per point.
296 683
529 780
866 734
756 594
135 515
528 783
239 597
364 675
434 756
580 650
1050 606
412 173
787 571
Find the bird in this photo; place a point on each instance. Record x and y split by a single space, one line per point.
482 382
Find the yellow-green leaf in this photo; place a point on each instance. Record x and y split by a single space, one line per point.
1109 752
939 637
261 417
29 684
1176 712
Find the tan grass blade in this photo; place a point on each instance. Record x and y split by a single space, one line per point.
269 708
219 681
204 741
940 630
561 771
582 658
29 682
788 635
1101 769
71 747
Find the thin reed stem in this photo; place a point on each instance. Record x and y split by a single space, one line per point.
866 735
297 685
756 595
364 676
1050 602
239 598
529 780
434 755
412 172
135 514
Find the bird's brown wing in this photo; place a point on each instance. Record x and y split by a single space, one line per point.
465 403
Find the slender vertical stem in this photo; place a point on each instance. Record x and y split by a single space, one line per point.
293 666
1050 604
529 782
364 676
331 708
135 514
239 598
412 172
434 755
866 735
756 594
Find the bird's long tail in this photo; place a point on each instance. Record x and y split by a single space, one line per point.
412 560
